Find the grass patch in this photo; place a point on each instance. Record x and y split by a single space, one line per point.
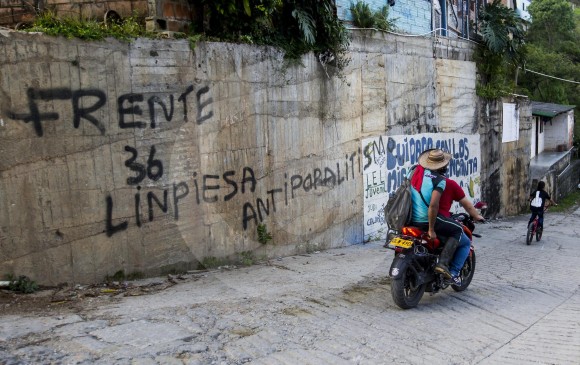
92 30
568 202
21 284
247 258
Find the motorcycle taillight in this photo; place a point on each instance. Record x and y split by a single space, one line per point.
412 231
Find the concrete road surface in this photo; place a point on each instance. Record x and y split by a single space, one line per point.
332 307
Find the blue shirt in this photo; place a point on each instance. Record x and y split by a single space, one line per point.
431 181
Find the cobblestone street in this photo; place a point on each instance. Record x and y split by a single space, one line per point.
332 307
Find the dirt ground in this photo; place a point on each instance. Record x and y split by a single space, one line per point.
69 299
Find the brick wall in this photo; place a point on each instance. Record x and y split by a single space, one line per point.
13 12
412 16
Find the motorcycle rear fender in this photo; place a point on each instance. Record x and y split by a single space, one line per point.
399 264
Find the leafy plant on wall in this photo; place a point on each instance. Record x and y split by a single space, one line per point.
502 50
364 17
296 26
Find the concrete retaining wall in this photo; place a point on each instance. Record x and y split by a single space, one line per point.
505 166
148 157
568 180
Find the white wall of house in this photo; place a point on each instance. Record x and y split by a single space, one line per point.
557 132
537 137
570 140
534 143
522 9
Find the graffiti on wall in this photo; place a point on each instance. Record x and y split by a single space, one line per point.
215 188
386 161
136 111
129 106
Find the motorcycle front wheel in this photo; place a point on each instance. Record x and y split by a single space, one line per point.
405 291
467 272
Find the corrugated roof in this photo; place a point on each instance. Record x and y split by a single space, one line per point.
549 109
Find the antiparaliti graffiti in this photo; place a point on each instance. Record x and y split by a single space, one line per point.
210 188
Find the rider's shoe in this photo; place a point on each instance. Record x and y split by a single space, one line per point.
442 269
455 280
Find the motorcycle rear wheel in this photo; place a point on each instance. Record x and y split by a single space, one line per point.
467 272
406 294
530 234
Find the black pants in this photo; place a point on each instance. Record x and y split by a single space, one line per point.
444 228
540 214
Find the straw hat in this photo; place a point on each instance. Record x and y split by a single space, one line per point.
434 159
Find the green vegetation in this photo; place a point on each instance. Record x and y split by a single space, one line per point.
210 262
22 284
296 26
263 235
553 43
571 200
364 17
125 30
247 258
502 51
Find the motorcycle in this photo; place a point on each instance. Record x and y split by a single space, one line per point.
413 268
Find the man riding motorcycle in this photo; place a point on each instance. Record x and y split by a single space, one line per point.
454 192
428 186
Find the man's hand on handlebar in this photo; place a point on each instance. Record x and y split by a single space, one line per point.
432 235
479 218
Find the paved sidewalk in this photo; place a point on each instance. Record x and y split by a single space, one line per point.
333 307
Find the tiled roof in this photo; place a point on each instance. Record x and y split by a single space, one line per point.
548 109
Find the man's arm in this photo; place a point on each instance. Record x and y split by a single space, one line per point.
432 212
470 209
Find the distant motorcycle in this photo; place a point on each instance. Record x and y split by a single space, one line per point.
413 267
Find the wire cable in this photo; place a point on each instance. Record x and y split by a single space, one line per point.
460 37
413 35
552 77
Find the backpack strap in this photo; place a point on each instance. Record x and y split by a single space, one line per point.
412 173
423 198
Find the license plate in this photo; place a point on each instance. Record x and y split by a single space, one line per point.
399 242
